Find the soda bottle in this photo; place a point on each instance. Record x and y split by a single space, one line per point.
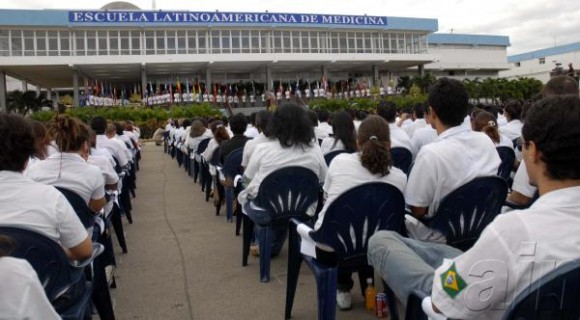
370 294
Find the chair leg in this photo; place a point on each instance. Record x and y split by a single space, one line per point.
326 289
118 227
229 195
294 263
239 218
195 170
101 296
208 181
265 253
248 227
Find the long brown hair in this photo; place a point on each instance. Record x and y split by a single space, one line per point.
374 140
41 139
69 133
219 131
485 122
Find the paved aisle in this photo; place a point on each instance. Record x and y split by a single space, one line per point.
185 263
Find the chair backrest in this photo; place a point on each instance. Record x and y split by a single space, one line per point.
80 206
233 163
46 257
331 155
465 212
215 157
507 156
554 296
402 158
202 145
356 215
288 193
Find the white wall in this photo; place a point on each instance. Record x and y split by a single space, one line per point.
533 68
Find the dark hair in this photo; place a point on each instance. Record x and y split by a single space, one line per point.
186 123
374 139
419 110
560 85
69 133
119 128
449 100
387 110
219 131
7 245
253 118
323 115
553 125
291 126
514 109
238 123
263 118
361 115
485 122
99 124
41 139
343 129
17 142
313 117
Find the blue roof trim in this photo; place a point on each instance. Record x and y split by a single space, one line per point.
542 53
60 18
473 39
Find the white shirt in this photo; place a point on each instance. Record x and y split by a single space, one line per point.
251 132
521 182
399 138
28 204
458 156
70 171
501 120
346 172
422 137
250 146
193 143
512 130
416 125
124 147
21 293
515 250
114 148
271 156
357 124
107 170
102 152
323 130
504 142
328 145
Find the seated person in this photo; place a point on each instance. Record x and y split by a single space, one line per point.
69 169
238 124
262 121
399 138
41 142
477 283
423 136
485 122
512 112
292 145
372 164
323 129
28 204
99 125
458 156
344 137
21 293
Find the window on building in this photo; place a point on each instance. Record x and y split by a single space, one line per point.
28 43
91 43
542 60
52 43
181 42
4 43
16 42
114 43
202 42
149 42
64 40
135 42
451 73
517 64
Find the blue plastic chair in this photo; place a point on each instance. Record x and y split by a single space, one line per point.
402 159
284 194
65 286
554 296
331 155
348 224
231 168
465 212
80 206
197 172
507 156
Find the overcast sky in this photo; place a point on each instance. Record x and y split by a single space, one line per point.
531 25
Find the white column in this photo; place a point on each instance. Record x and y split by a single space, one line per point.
24 86
38 89
269 81
143 81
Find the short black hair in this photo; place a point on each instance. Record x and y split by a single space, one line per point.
419 110
262 120
514 109
553 125
361 115
323 115
313 117
253 118
238 123
291 126
99 124
17 142
560 85
449 100
387 110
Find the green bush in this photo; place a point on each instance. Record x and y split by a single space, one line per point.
147 119
368 104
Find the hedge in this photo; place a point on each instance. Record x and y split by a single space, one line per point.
147 119
366 104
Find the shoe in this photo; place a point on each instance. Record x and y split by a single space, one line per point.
255 250
343 300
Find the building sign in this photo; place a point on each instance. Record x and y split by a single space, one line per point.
187 17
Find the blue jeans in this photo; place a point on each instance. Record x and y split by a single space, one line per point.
407 264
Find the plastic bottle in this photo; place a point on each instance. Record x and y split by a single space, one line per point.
370 294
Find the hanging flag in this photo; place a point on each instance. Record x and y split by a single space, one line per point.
187 86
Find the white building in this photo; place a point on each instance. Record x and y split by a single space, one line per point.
538 64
